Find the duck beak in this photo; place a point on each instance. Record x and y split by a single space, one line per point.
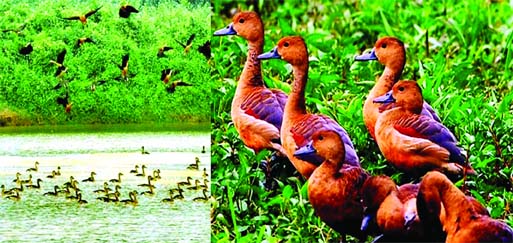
365 222
385 99
367 57
409 218
308 154
272 54
228 30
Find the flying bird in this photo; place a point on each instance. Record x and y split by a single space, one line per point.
126 10
124 67
162 50
188 45
166 75
83 18
170 89
83 40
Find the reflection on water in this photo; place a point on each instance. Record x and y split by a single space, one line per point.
57 219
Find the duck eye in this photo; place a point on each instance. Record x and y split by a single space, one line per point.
241 21
321 138
384 45
286 44
401 88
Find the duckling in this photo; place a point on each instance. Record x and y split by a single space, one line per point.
52 175
16 196
390 52
17 179
201 199
34 168
126 10
105 189
38 184
196 185
80 200
394 209
117 180
91 178
162 50
170 199
142 173
83 18
143 151
188 44
149 183
132 198
334 187
136 170
411 141
149 192
185 183
194 166
256 111
461 221
54 193
84 40
298 125
171 88
179 196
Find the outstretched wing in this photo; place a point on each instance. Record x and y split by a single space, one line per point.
60 57
131 9
191 38
73 18
92 12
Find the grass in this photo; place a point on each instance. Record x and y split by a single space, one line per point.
461 59
26 85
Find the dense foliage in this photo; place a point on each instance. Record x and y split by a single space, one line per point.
27 83
460 52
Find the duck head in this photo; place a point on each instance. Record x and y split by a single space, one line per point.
405 94
246 24
389 51
324 146
291 49
374 191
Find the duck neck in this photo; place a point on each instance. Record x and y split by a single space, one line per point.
296 100
251 74
386 81
455 205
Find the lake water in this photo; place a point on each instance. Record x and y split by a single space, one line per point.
106 150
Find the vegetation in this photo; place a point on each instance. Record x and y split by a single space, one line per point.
27 82
461 59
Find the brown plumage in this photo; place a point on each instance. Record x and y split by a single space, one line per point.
171 88
124 67
83 18
188 44
126 10
166 75
162 51
462 220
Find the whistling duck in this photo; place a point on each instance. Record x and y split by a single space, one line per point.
132 198
16 196
71 196
298 125
188 44
105 189
71 180
61 69
79 199
10 191
54 193
256 111
91 178
17 179
126 10
124 67
333 187
34 168
205 50
390 52
66 189
165 75
83 40
185 183
27 181
116 191
179 196
162 51
394 208
462 222
52 175
196 186
177 189
58 172
170 199
194 166
203 150
118 180
83 18
149 183
156 175
144 151
136 170
204 198
205 174
16 189
205 184
149 192
172 87
142 173
411 141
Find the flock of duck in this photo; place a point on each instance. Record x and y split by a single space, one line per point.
70 189
407 130
124 12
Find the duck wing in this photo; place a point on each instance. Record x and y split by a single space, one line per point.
265 104
427 110
420 126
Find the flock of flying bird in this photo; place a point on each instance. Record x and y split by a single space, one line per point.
70 189
124 12
408 133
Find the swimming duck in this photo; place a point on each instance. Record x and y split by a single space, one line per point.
58 172
118 180
132 198
91 178
205 174
177 189
203 150
334 186
149 192
298 125
204 198
71 196
17 179
390 52
17 189
105 189
256 111
83 18
142 173
150 178
170 199
461 221
16 196
196 186
34 168
136 170
38 184
54 193
411 141
116 192
205 184
194 166
79 199
144 151
393 208
185 183
52 175
156 175
179 196
126 10
27 181
7 192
